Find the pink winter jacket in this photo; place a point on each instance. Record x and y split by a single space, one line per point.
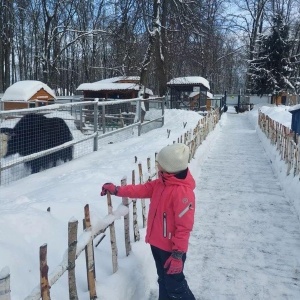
171 210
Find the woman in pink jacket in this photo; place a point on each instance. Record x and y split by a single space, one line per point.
170 217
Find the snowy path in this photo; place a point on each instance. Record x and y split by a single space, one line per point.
246 239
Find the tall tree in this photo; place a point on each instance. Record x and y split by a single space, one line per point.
270 71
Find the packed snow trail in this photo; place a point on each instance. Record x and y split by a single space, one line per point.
246 239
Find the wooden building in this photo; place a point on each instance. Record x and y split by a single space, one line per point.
284 98
27 94
194 98
123 87
116 88
189 93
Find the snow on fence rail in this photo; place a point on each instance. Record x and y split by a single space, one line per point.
286 141
85 242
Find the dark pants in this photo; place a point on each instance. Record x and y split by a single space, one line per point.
170 286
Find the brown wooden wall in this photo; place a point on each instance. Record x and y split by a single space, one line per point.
35 101
10 105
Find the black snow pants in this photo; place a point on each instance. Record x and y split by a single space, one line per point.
174 286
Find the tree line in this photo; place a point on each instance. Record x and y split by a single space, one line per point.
64 43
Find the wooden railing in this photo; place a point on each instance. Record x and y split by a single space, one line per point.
285 140
85 242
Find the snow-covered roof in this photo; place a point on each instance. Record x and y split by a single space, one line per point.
189 81
193 94
24 90
100 86
121 78
295 107
113 85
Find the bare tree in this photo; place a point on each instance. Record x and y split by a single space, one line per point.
65 43
6 41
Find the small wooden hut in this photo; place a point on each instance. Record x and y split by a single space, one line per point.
189 93
27 94
123 87
117 88
284 98
194 98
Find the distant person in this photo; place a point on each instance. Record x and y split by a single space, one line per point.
170 217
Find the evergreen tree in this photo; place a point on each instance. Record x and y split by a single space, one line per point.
270 70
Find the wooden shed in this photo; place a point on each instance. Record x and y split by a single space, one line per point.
123 87
189 93
26 94
194 98
117 88
284 98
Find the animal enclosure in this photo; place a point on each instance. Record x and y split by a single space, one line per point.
32 140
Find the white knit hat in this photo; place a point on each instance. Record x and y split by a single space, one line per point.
174 158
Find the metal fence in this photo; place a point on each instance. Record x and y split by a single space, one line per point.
35 139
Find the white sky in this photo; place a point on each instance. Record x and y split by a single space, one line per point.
246 239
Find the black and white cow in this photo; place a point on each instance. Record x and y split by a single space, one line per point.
34 133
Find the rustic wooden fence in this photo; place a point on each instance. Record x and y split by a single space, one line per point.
85 242
285 140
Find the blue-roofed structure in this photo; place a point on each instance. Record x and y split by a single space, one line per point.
295 111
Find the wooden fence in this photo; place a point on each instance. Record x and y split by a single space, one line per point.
85 242
285 140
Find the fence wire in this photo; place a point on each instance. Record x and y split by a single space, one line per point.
32 140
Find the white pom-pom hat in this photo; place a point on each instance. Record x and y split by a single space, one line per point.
174 158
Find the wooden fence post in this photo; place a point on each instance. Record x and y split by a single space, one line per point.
143 200
89 255
286 144
5 284
96 124
290 152
149 168
72 244
113 242
44 283
126 221
156 169
122 124
136 232
281 142
297 155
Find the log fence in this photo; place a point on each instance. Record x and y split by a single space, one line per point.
77 244
5 284
285 140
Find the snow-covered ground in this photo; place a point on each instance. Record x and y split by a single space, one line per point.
246 242
246 239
